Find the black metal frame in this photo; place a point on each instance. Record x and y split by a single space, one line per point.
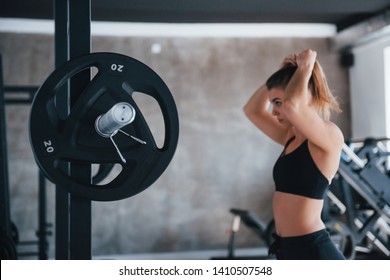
15 95
360 189
262 230
20 95
73 214
5 215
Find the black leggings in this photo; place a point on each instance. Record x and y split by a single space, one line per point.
312 246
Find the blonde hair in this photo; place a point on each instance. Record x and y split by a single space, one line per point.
323 100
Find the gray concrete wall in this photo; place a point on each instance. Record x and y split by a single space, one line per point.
221 162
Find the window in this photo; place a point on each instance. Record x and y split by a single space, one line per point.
387 88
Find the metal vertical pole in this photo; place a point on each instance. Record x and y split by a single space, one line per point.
61 50
76 20
42 219
5 219
80 208
4 214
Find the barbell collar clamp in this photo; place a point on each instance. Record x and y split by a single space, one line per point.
120 115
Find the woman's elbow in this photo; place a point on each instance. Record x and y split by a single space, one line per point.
290 107
248 110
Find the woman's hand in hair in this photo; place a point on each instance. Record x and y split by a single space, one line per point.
306 58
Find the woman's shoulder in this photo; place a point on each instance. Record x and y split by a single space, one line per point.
335 132
333 135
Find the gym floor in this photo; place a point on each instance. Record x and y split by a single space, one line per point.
250 253
244 253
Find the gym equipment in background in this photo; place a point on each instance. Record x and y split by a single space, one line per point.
23 95
360 195
253 222
7 244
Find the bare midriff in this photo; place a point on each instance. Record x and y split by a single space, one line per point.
296 215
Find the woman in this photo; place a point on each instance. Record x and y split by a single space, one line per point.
301 104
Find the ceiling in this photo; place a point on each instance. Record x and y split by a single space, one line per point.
342 13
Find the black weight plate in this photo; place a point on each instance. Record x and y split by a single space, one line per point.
103 171
73 139
342 237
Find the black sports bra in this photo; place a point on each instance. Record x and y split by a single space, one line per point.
297 173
